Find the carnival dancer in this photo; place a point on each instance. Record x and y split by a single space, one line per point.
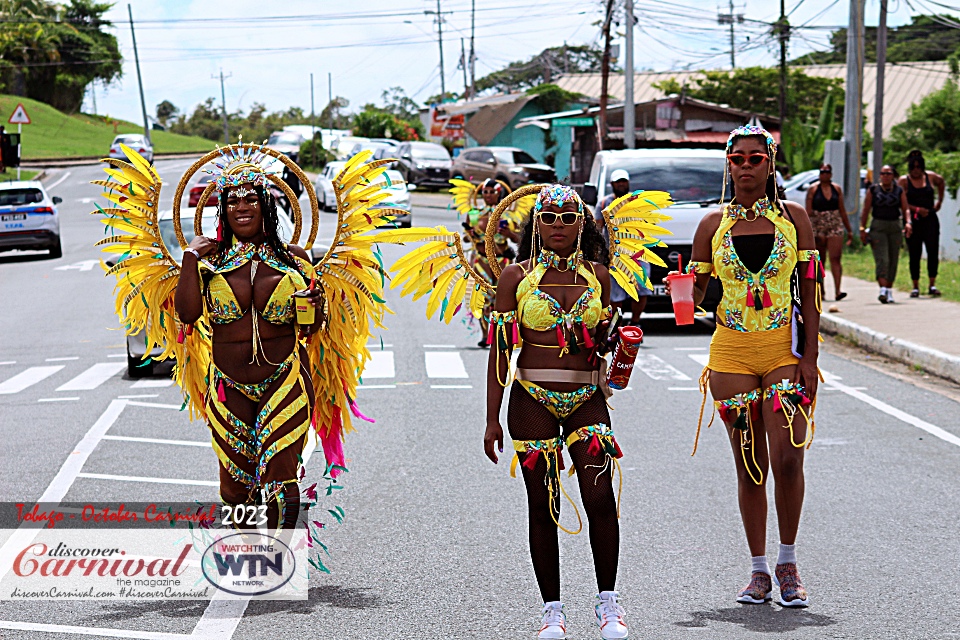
554 302
762 370
919 185
249 357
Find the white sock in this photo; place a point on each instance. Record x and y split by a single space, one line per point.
759 563
788 554
883 291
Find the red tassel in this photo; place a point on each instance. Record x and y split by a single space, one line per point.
490 333
805 401
767 302
587 342
725 414
530 459
180 336
220 231
749 297
189 329
561 339
594 447
755 410
561 466
777 405
516 333
812 269
617 447
221 392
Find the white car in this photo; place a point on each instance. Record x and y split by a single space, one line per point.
29 218
796 187
342 146
136 141
137 366
324 185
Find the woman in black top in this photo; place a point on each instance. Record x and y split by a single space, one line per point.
919 184
829 219
891 219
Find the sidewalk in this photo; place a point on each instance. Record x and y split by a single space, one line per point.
917 331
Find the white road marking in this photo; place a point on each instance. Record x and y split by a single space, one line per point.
70 399
439 346
62 178
142 395
108 476
117 355
154 405
854 388
147 383
445 364
9 362
377 345
657 369
689 348
683 389
93 377
377 386
451 386
380 365
903 416
27 378
64 359
91 631
185 443
84 265
701 358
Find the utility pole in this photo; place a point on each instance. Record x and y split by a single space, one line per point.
878 104
853 107
313 126
443 81
473 55
604 75
732 19
330 92
136 58
93 94
463 64
629 109
783 32
223 101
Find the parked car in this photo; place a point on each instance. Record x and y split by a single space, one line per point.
286 142
343 145
136 141
424 164
324 185
29 217
136 344
693 177
796 187
399 196
510 165
372 145
197 189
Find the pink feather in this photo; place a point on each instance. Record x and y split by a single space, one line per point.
332 444
355 410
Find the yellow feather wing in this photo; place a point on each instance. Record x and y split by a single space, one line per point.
147 275
462 191
633 223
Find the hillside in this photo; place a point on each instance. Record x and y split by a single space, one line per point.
53 134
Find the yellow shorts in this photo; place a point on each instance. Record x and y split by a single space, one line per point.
754 353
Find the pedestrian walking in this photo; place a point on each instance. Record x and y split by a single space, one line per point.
829 219
891 220
919 185
762 370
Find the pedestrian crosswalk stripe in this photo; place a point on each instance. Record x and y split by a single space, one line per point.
657 368
147 383
380 365
451 386
28 378
107 476
70 399
64 359
93 377
377 386
184 443
701 358
9 362
445 364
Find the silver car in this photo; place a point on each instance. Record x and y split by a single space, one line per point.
324 185
29 218
136 141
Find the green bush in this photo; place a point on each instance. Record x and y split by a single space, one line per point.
312 156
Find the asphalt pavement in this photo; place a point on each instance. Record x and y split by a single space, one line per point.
434 542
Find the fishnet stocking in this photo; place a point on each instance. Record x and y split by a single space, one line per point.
527 419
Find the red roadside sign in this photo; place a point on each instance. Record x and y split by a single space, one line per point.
19 116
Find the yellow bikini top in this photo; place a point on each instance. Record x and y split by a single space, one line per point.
221 301
755 301
539 311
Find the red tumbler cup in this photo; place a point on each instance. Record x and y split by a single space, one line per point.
681 293
624 355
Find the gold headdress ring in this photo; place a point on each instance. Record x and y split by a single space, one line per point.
479 188
525 190
240 163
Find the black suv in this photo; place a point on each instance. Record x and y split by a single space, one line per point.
424 164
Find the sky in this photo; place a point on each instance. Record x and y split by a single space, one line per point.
269 49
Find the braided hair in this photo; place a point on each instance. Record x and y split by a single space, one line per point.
271 226
915 160
592 244
773 191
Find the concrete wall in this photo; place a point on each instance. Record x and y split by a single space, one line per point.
950 229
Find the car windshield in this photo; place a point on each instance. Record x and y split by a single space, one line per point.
19 197
284 138
129 140
431 152
685 179
801 178
509 156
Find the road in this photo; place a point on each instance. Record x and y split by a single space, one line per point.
434 543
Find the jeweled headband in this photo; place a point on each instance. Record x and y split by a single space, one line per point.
752 130
557 195
238 165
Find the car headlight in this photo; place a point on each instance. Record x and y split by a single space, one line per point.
420 167
519 171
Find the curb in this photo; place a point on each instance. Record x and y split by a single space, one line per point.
933 361
34 163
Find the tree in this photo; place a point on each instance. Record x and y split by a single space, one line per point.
165 111
804 141
374 122
925 38
335 108
396 102
931 124
543 68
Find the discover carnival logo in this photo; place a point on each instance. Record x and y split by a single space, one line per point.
248 564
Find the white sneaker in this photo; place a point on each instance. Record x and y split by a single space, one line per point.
889 295
610 616
554 623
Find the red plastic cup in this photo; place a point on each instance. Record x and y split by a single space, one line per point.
681 293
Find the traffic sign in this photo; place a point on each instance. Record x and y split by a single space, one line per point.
19 116
573 122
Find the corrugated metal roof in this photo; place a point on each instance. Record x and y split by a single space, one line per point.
904 85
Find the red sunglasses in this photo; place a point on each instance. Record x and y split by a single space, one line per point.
754 158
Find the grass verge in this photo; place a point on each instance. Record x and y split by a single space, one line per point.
858 262
53 134
11 175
